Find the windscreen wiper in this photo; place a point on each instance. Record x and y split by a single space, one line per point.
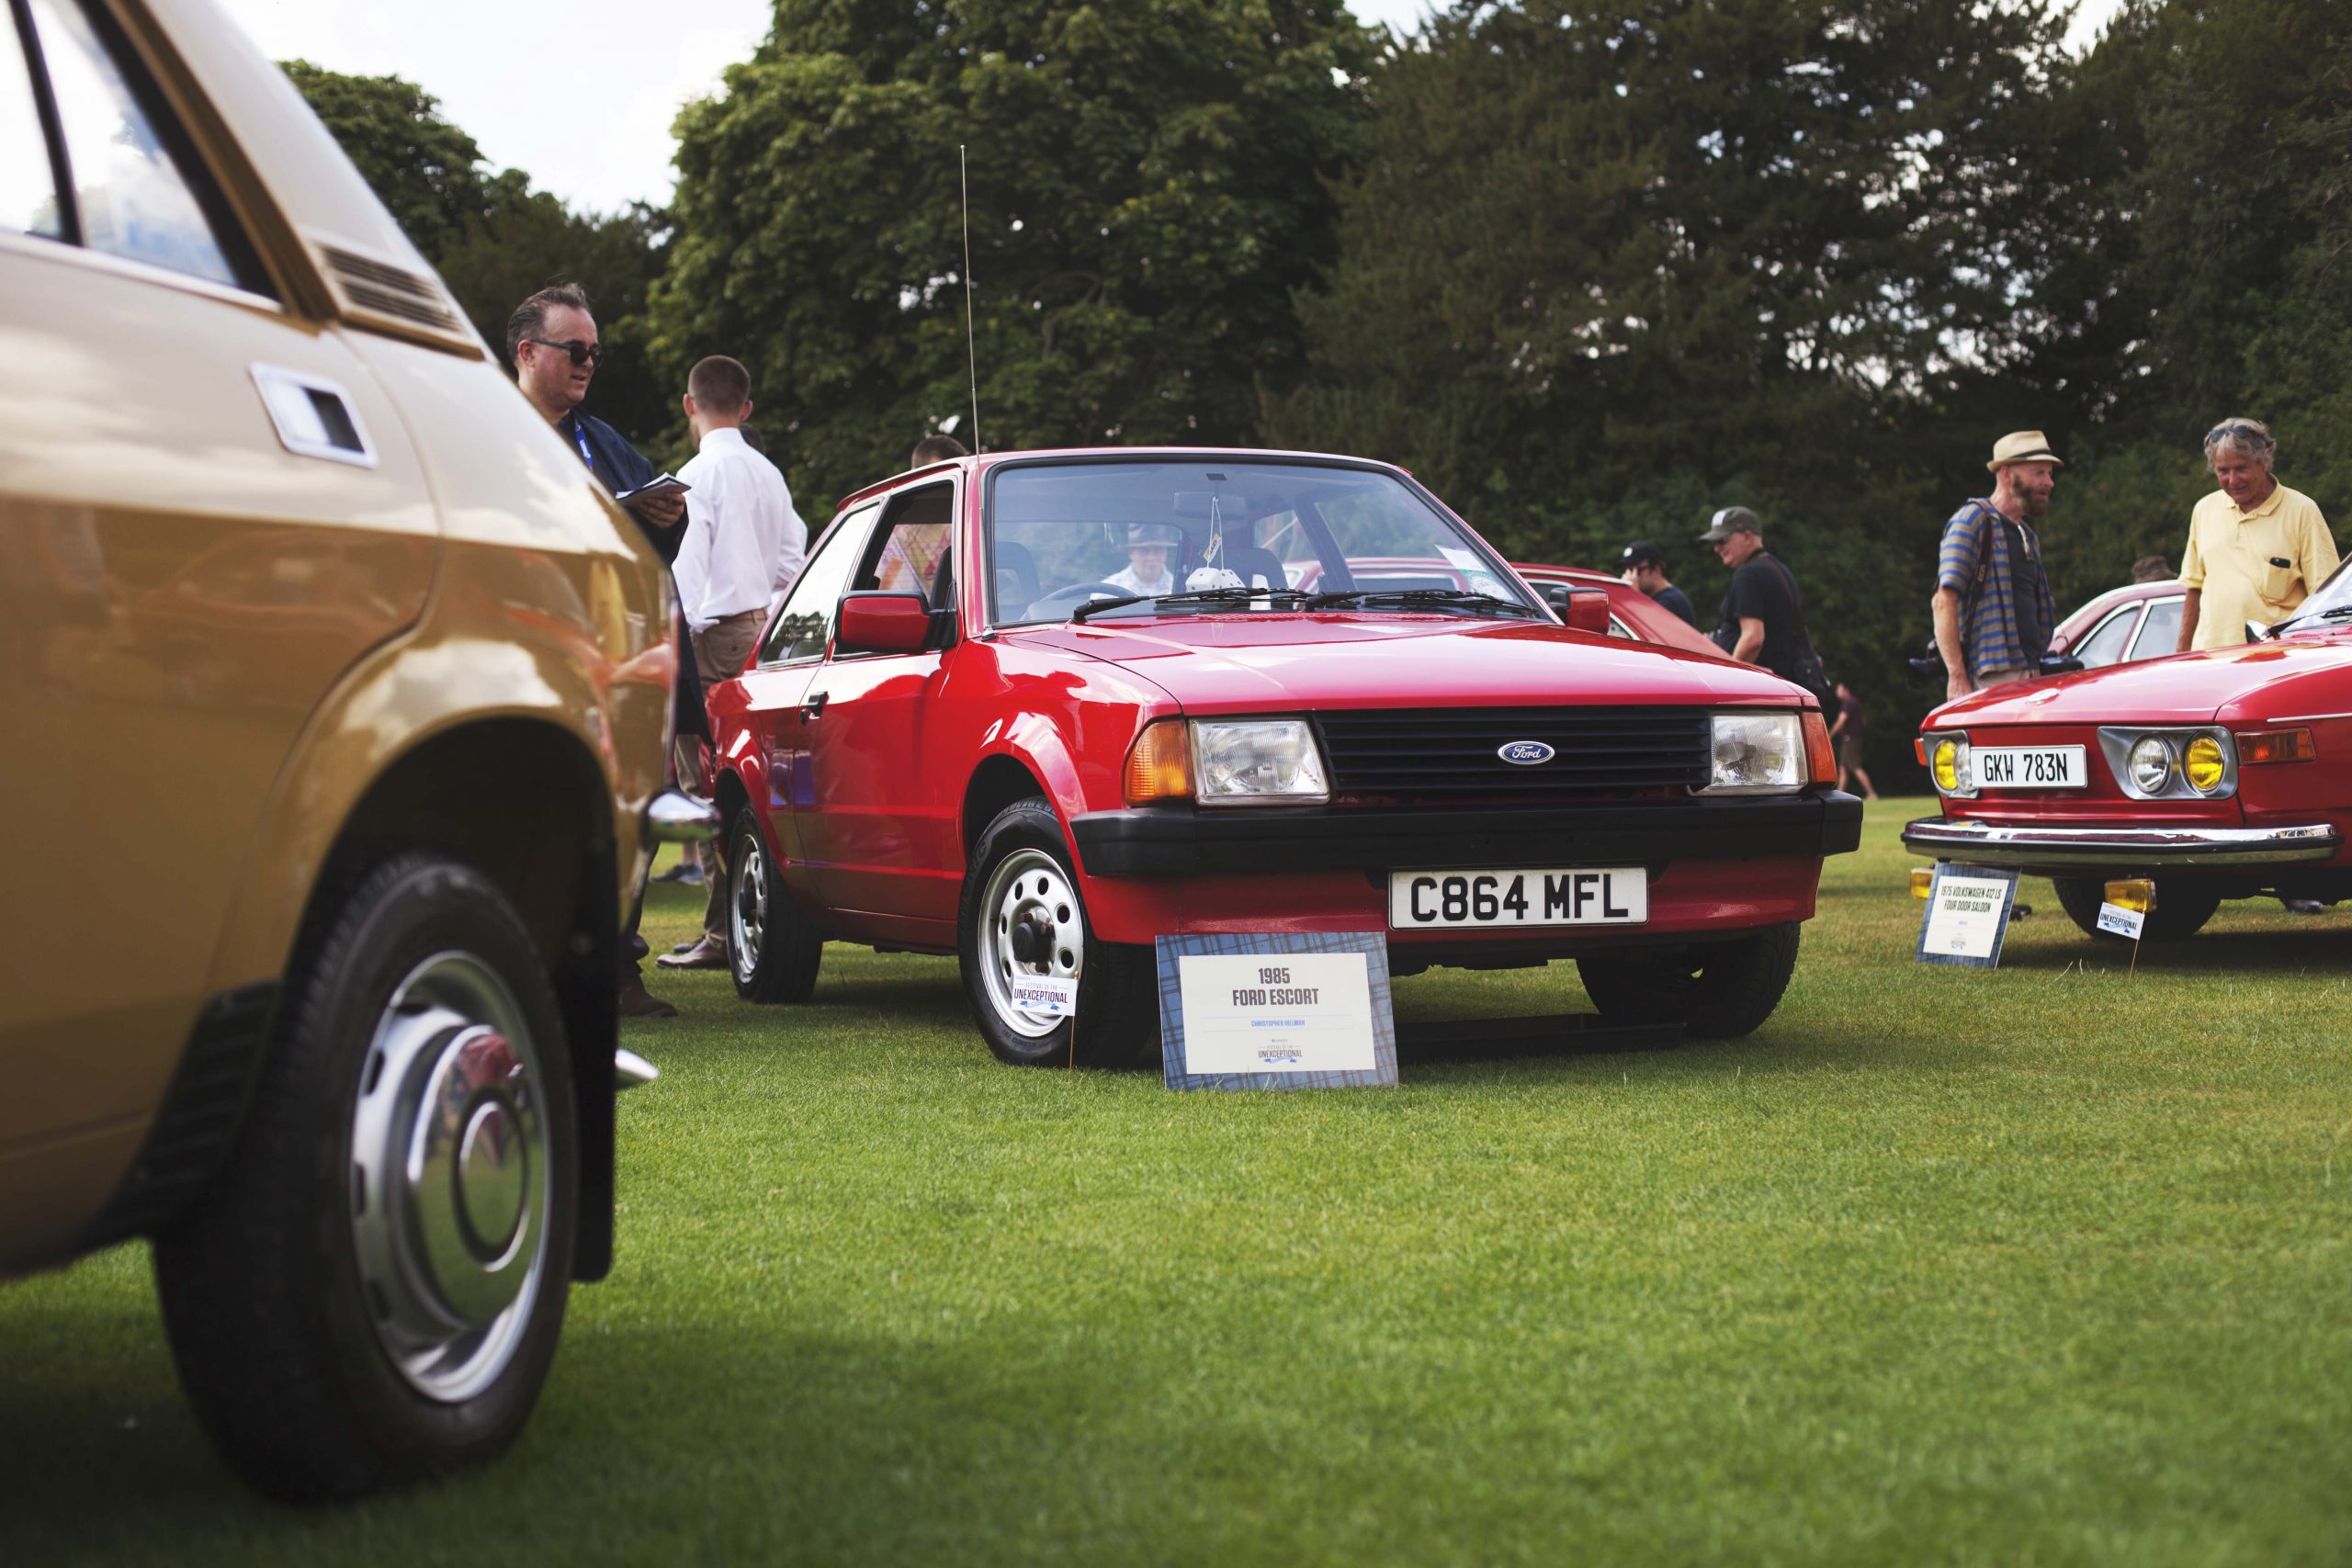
1232 595
1423 598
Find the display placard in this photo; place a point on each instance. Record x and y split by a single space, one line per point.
1967 916
2121 922
1272 1010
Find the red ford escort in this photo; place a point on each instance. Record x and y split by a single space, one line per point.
2220 775
1037 709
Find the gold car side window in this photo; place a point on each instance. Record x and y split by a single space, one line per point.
27 182
129 196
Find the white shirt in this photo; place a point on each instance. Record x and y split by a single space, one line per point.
743 542
1164 584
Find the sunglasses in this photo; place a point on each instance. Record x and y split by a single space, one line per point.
581 353
2231 427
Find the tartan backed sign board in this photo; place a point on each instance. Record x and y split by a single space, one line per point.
1272 1009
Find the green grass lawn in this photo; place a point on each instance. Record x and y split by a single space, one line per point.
2045 1263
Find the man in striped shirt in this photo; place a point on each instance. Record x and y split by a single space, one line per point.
1994 615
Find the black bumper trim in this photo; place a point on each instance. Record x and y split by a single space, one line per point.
1187 841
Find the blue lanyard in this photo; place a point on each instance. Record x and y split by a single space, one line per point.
579 438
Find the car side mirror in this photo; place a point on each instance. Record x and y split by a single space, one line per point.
882 622
1585 609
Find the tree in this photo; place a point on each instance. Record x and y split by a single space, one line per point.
495 241
1146 184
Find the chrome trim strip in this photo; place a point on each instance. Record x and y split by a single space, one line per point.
674 817
1986 843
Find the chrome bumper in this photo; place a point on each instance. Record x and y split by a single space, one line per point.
2119 848
674 817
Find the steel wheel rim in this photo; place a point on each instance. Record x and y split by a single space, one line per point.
450 1179
747 911
1028 883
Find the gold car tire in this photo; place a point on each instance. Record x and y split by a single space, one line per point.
371 1291
1020 873
771 950
1715 990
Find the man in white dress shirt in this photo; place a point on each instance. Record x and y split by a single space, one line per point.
1146 570
742 546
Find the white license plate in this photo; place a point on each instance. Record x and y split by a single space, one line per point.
2029 767
1574 896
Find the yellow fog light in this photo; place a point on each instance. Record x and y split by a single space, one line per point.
1945 763
1923 881
2138 895
2204 765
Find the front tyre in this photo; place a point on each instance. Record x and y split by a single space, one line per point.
1715 990
770 948
371 1291
2182 908
1020 913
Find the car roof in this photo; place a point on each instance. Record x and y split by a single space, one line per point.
977 463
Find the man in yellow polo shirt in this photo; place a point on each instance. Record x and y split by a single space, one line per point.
2256 548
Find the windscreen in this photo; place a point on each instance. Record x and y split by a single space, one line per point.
1061 535
2332 600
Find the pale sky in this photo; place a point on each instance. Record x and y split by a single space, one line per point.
587 116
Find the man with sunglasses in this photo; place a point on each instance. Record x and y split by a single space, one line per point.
2256 548
551 342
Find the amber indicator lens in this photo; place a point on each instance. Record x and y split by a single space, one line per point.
1923 881
2276 746
1159 765
1821 758
2138 895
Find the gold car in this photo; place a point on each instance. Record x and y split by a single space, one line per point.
334 698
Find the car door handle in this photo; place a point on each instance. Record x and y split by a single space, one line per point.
813 706
313 415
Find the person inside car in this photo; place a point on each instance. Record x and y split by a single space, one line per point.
1146 568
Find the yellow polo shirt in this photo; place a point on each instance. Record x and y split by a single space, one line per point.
2235 557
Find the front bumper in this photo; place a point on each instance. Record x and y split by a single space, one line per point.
2118 847
1191 841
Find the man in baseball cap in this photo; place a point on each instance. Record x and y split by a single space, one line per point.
1642 566
1761 622
1992 605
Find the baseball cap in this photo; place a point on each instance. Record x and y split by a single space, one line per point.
1641 550
1729 520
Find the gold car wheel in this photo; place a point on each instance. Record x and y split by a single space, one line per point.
449 1176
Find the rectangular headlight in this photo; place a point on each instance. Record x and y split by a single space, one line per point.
1755 754
1257 758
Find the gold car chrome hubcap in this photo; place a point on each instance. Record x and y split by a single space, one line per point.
449 1176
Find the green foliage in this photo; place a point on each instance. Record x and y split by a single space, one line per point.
495 241
1147 184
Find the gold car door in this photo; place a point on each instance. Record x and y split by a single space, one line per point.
207 512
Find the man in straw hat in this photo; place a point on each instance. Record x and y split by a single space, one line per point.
1992 604
2256 548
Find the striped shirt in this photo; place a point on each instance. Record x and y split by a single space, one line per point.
1976 564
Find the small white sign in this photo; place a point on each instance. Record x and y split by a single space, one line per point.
1285 1012
1046 996
2121 922
1965 916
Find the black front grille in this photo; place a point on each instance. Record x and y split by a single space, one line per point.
1455 753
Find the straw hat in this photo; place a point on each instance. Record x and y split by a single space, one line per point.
2023 447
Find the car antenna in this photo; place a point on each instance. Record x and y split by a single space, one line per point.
971 354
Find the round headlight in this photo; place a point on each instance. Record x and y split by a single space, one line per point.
1945 764
2204 765
2151 764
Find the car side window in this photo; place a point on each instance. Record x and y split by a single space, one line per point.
805 628
2108 638
911 556
29 203
129 195
2160 633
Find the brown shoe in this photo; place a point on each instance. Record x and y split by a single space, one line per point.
710 953
638 1002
